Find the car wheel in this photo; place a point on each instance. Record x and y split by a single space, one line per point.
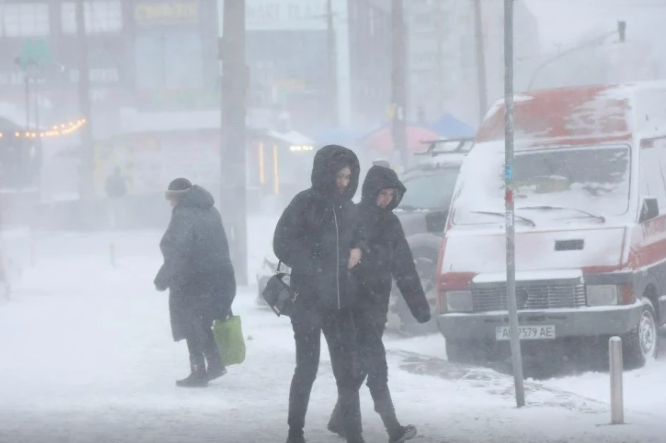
425 262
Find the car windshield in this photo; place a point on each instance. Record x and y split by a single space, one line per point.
563 183
429 189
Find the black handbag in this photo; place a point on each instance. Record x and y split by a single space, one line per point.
278 294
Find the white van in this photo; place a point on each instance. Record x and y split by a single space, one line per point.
590 221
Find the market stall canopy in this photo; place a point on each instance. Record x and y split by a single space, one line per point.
133 121
12 118
448 126
292 138
381 140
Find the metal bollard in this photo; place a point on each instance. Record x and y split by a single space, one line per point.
112 254
616 374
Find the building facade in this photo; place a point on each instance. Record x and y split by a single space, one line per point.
323 67
442 55
370 61
142 54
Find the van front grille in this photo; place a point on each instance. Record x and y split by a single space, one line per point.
529 295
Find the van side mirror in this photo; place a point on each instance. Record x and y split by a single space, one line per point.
649 209
435 222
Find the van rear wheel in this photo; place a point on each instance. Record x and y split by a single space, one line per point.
642 344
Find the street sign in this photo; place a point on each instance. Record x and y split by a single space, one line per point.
35 51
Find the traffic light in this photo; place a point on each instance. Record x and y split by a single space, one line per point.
622 30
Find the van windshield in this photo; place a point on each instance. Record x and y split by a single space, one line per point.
593 179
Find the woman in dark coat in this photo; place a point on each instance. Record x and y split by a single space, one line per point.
319 237
198 272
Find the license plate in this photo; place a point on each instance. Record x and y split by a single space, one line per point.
546 332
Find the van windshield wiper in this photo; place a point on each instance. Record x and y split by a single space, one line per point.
502 214
601 218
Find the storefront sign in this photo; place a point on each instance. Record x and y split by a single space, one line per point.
166 13
293 14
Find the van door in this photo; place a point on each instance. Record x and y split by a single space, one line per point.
651 248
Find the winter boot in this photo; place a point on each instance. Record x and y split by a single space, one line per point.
215 368
295 437
215 373
198 377
402 434
335 424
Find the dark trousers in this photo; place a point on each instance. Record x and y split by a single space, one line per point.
338 329
372 363
202 347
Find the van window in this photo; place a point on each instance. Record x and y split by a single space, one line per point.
594 179
653 171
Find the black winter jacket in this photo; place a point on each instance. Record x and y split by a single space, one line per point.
197 268
317 231
387 255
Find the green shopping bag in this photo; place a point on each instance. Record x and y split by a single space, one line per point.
229 339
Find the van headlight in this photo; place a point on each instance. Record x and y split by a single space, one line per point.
601 295
459 301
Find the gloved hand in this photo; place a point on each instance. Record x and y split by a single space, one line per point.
423 317
160 286
160 281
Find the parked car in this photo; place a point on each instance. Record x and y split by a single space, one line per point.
423 212
423 215
590 227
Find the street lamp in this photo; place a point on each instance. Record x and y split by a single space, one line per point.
620 31
33 69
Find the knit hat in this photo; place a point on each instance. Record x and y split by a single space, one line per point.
178 187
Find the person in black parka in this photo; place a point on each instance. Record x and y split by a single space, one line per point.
387 257
319 237
200 277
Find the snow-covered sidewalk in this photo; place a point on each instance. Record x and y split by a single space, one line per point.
86 355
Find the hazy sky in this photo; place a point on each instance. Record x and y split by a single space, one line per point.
564 21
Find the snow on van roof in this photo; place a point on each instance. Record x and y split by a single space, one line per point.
571 115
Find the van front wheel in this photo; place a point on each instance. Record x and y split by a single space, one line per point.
642 344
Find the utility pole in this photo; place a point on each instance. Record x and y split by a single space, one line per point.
27 100
398 80
86 183
482 82
439 33
516 356
332 63
39 151
233 147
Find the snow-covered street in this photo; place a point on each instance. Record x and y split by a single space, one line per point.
86 355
